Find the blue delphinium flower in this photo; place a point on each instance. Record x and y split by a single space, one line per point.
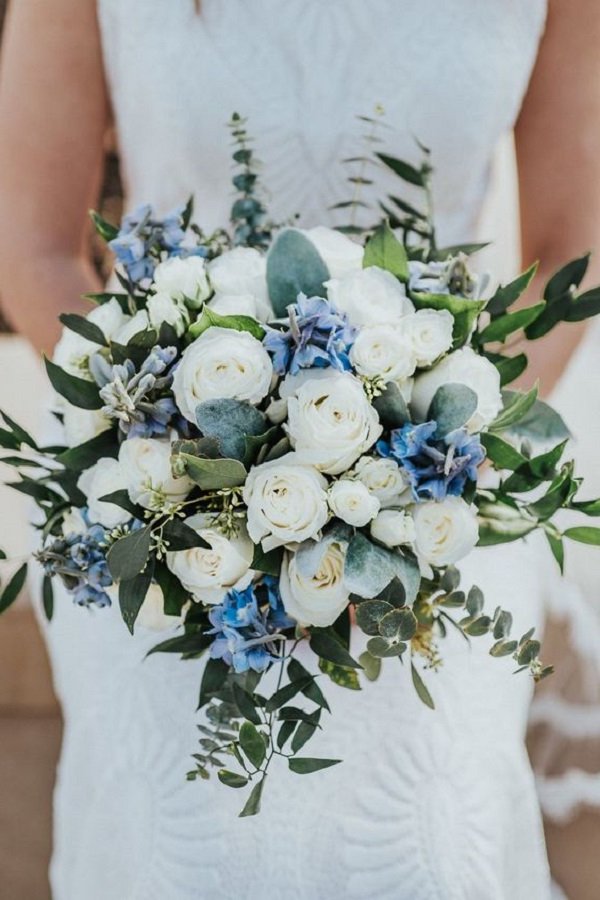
318 335
244 624
79 560
435 467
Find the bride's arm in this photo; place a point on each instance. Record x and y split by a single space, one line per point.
53 115
558 155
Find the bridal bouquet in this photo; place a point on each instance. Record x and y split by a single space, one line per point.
273 433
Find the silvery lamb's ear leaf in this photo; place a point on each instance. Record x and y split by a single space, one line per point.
294 266
369 568
452 407
230 422
391 407
310 553
237 323
465 312
383 249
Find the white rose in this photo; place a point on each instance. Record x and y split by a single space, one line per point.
286 502
445 532
382 477
221 363
133 326
351 502
240 305
316 600
370 296
103 478
208 573
464 366
339 253
242 270
430 333
82 425
331 422
73 522
146 467
181 278
72 351
383 350
393 527
163 308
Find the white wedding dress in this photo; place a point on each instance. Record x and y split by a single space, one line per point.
426 804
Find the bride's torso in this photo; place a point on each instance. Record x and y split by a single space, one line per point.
451 74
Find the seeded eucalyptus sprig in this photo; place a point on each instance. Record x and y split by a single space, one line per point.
248 213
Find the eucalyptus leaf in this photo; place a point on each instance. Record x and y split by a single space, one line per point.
420 688
213 474
232 779
398 625
294 266
132 593
369 614
371 665
369 568
451 407
304 765
391 407
128 555
229 421
181 536
252 807
383 648
252 744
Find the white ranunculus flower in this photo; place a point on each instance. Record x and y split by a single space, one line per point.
221 363
181 278
242 270
146 467
445 532
339 253
382 477
164 308
276 411
133 326
430 333
286 501
82 425
393 527
464 366
383 350
316 600
351 502
331 422
208 573
240 305
72 351
370 296
103 478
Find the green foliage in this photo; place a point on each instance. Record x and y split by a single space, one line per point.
507 294
420 687
294 266
230 422
212 474
516 405
451 407
383 249
82 326
128 556
503 326
464 311
391 406
210 318
132 593
76 391
369 568
248 213
13 588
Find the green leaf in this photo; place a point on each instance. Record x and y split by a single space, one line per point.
82 326
500 328
297 672
398 625
106 231
478 627
232 779
507 294
369 568
585 306
509 367
451 407
383 249
420 688
229 422
252 743
294 266
391 407
500 523
180 536
48 597
285 732
343 676
174 593
281 697
303 735
121 498
465 312
13 588
78 392
245 703
87 454
551 315
210 318
213 474
22 436
403 170
561 491
304 765
541 424
267 562
190 643
475 600
568 277
369 614
503 648
500 452
252 807
127 557
102 297
371 665
585 534
383 648
213 679
326 646
132 594
516 405
587 507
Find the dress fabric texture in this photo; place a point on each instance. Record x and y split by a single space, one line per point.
426 804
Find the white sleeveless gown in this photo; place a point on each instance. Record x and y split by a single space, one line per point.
427 804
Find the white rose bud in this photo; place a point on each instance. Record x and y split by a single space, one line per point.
370 296
72 351
82 425
181 278
383 350
331 422
316 600
242 270
340 253
464 366
208 573
286 501
430 334
221 363
382 477
445 532
163 308
351 502
104 477
146 467
393 527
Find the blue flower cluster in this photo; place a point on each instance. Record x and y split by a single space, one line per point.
244 624
435 467
142 240
133 397
80 561
318 335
